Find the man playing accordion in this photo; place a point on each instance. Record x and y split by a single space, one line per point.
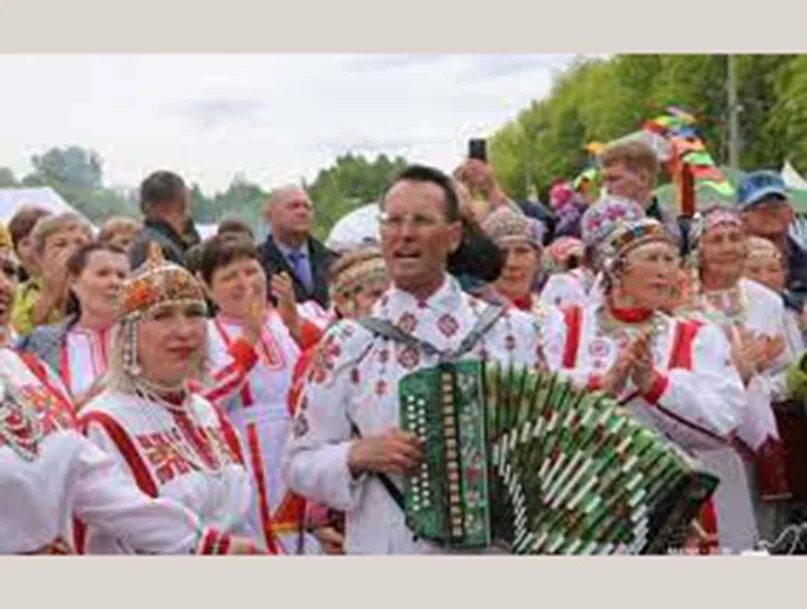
347 428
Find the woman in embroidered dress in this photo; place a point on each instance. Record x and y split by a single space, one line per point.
520 239
51 474
77 349
261 343
674 375
764 265
754 319
170 440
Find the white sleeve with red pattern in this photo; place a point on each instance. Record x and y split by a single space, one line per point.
108 499
700 408
230 375
315 459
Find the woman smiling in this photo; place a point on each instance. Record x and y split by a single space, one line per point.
171 441
78 348
674 375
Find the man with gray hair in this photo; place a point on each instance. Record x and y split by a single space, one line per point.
291 248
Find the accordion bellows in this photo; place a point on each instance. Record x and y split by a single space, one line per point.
524 461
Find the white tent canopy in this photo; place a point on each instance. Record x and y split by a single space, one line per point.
355 228
207 230
792 178
14 199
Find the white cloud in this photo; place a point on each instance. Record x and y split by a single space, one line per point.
273 117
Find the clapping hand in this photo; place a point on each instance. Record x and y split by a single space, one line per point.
283 290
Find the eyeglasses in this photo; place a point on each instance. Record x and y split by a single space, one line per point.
395 223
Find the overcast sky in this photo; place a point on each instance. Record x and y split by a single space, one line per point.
276 118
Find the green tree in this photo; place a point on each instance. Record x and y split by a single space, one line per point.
350 182
7 179
73 168
602 100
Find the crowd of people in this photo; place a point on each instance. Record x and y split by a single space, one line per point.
167 394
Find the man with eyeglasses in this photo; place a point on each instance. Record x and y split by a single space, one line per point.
347 450
767 213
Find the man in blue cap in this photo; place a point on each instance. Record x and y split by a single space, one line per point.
767 213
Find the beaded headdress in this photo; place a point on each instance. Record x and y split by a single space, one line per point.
763 249
562 248
356 269
505 226
627 236
601 218
154 284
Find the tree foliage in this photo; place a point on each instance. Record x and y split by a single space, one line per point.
77 175
601 100
350 182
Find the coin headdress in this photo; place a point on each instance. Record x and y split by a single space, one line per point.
155 284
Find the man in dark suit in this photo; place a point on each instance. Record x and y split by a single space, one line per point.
165 203
291 248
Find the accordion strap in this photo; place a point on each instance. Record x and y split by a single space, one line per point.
391 488
385 328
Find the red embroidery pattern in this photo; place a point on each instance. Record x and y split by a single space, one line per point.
407 322
324 359
380 388
355 376
408 357
510 342
383 356
53 415
448 325
165 459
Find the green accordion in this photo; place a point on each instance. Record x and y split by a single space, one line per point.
523 460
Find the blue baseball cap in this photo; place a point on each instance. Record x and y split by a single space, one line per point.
759 185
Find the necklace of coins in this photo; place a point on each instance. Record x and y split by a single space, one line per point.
186 448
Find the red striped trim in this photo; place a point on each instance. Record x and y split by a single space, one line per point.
594 382
254 445
230 436
246 396
224 545
126 448
310 334
245 355
685 334
79 535
681 357
657 389
208 542
572 315
217 393
225 372
242 351
298 376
